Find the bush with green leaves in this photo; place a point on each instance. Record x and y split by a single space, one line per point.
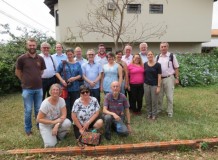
198 69
9 52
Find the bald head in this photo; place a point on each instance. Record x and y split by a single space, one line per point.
115 87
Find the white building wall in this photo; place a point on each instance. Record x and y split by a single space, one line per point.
185 21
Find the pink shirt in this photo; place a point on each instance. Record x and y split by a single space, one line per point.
136 74
164 60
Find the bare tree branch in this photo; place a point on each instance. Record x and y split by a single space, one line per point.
111 22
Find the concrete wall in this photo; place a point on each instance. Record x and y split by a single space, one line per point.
174 47
187 23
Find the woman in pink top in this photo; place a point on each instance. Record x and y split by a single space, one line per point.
136 80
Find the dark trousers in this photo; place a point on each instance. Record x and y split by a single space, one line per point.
95 93
46 84
137 91
128 95
72 96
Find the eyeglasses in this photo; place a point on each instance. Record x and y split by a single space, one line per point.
83 92
90 54
45 47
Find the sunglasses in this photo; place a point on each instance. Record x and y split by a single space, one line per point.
45 47
83 92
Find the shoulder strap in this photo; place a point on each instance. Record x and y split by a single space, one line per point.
157 57
171 59
53 63
64 69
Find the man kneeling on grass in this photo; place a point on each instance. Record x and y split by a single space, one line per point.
115 104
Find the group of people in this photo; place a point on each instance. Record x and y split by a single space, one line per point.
118 76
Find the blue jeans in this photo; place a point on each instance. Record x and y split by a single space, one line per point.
31 97
119 126
95 93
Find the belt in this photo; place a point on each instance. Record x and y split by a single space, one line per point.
48 78
165 77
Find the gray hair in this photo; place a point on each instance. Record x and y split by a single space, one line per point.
45 44
56 85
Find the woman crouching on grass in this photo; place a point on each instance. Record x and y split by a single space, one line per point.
152 84
85 113
53 123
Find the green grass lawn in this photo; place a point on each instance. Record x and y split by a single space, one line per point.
195 116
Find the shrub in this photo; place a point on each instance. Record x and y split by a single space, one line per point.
9 52
198 69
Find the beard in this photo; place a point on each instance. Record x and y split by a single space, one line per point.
32 50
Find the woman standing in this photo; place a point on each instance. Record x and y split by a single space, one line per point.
52 119
136 80
152 85
85 113
111 72
69 72
125 82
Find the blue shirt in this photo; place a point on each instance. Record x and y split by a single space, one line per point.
110 75
81 61
72 70
59 58
92 71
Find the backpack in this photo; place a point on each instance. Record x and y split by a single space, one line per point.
170 59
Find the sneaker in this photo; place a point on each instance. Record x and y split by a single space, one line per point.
170 115
149 116
153 118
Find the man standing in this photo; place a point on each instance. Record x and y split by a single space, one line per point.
143 51
101 56
78 56
127 57
59 55
92 74
48 76
29 68
170 76
115 104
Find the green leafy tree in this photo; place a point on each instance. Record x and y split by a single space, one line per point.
11 49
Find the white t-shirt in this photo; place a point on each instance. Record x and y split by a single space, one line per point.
52 112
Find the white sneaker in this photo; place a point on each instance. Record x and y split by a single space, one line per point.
170 115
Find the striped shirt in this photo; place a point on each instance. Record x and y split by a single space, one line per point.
116 105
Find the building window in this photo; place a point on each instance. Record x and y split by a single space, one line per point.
134 8
156 9
108 49
56 18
